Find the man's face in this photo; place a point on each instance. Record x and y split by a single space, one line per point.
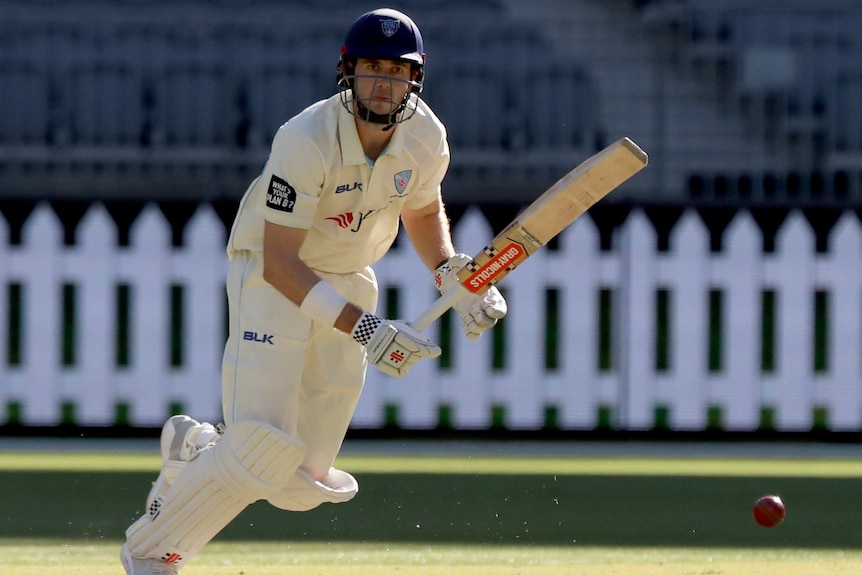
381 84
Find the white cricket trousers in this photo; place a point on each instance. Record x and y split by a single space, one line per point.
282 368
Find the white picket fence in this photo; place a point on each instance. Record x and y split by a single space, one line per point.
473 394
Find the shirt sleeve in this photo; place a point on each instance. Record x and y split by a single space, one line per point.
293 180
429 190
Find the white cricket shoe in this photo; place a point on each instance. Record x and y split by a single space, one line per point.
182 439
135 566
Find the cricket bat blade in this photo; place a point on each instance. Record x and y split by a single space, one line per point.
541 221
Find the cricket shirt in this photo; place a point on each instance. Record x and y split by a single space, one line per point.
318 178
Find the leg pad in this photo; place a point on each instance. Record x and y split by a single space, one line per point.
252 461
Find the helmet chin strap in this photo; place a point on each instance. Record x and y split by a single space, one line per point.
387 120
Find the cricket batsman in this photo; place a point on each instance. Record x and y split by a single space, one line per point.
341 177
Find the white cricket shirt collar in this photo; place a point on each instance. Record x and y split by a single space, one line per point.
352 153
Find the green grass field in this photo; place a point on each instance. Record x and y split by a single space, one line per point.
66 513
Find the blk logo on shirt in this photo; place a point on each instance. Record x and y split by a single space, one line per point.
348 187
256 337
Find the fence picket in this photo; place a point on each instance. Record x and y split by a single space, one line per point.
638 285
520 387
36 383
843 277
469 383
201 268
574 270
91 267
794 282
738 273
688 282
144 386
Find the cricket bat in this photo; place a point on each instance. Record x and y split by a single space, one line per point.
541 221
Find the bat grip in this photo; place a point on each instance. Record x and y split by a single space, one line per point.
440 306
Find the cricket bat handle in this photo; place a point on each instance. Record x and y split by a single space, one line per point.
440 306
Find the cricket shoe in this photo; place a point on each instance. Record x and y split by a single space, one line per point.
135 566
182 439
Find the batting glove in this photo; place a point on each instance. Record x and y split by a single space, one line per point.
478 312
392 346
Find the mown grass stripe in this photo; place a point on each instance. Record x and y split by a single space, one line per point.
618 466
38 557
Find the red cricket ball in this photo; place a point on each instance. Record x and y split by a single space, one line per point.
769 511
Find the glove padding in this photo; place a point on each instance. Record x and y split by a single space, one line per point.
478 312
392 346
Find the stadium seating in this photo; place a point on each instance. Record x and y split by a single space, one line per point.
725 93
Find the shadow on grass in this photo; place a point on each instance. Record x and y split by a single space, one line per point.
486 509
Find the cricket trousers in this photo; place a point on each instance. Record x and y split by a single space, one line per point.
284 369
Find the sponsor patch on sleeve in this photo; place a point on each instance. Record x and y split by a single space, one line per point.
280 195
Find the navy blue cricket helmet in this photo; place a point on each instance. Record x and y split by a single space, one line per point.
384 34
